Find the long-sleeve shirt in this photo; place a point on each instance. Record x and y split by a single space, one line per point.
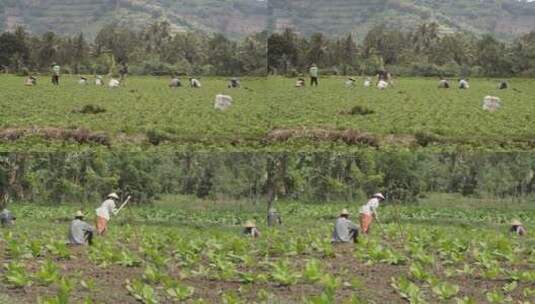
343 230
77 232
274 218
106 209
56 69
6 217
370 207
313 72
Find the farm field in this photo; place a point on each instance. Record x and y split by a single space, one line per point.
267 114
185 251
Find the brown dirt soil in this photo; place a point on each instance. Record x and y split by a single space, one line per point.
348 136
80 135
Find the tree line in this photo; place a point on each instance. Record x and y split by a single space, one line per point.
78 177
154 50
424 51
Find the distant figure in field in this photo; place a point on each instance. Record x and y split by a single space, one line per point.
175 83
503 85
7 218
518 228
443 84
194 83
30 81
368 212
104 212
300 83
314 75
367 82
273 217
114 83
98 80
82 81
382 76
350 82
345 231
382 85
80 232
56 69
123 73
390 79
234 83
250 230
463 84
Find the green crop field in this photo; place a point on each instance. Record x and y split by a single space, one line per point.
184 251
267 114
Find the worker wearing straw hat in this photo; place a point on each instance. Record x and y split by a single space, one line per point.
368 212
104 212
518 228
80 232
249 229
345 231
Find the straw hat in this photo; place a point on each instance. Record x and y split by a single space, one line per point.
79 213
249 224
344 212
113 195
516 222
272 210
379 195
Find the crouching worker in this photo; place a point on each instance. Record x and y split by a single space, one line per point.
175 83
7 218
194 83
300 83
517 228
80 232
443 84
105 211
30 81
234 83
369 211
273 217
345 231
250 230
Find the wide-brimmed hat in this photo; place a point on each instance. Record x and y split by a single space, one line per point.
79 213
113 195
272 210
379 195
516 222
249 224
344 212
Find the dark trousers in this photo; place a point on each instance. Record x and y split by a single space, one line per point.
354 234
89 237
55 79
313 81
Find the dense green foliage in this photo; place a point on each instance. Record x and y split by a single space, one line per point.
191 251
236 18
318 177
154 49
424 51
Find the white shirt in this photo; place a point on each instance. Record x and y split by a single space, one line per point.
107 207
370 207
195 83
114 83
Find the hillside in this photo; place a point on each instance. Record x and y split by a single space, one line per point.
234 17
505 18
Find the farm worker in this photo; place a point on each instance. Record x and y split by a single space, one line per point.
463 84
175 83
30 81
7 218
114 83
234 83
123 73
345 231
350 82
82 81
273 217
369 211
80 232
314 73
390 79
55 73
300 83
251 230
367 82
503 85
98 80
518 228
194 83
104 212
443 84
382 85
382 76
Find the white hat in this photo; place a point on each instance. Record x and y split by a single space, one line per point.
344 212
379 195
113 195
79 213
516 222
249 224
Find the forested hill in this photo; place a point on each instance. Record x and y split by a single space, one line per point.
235 18
505 18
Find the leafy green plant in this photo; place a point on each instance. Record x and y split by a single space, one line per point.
408 290
282 273
48 273
142 292
16 275
312 272
445 290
